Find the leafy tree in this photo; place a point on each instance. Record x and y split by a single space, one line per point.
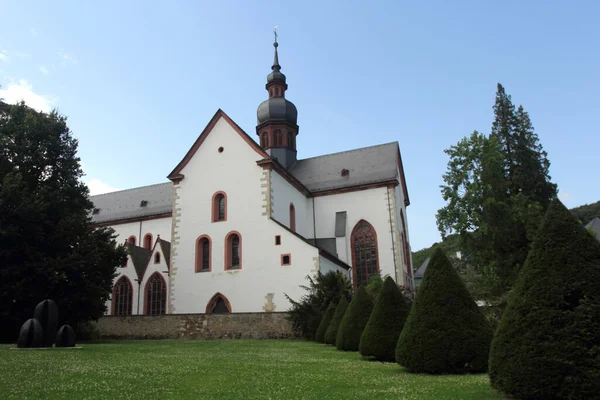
324 289
48 248
381 333
547 345
445 331
325 322
586 212
354 321
336 320
497 189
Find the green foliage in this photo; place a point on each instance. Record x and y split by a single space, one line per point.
586 212
325 322
324 289
354 321
497 188
381 333
450 245
445 331
336 320
47 247
547 344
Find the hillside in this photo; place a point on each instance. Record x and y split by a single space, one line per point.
451 244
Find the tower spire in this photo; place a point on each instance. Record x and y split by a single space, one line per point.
276 67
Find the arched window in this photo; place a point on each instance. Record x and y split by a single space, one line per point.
148 241
233 251
292 217
278 138
263 139
203 254
157 258
122 298
218 304
156 295
219 211
365 260
131 240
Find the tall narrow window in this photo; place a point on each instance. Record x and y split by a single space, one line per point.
292 217
156 295
122 298
364 253
131 240
278 138
148 241
233 251
219 211
263 139
157 258
203 254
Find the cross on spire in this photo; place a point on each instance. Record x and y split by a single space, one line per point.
275 32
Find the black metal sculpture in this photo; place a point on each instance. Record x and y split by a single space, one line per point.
65 337
46 312
31 334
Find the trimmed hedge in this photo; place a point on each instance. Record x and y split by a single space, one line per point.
381 333
548 341
354 321
445 331
332 330
325 322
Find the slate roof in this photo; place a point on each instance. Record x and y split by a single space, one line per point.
126 204
595 226
366 165
166 249
140 257
420 272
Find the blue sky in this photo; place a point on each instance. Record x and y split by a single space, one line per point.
139 80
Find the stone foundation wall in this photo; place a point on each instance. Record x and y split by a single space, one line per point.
196 326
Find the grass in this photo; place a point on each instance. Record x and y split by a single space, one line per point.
220 369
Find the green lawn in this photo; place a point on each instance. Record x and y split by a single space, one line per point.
219 369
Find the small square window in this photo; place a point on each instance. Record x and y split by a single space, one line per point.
277 240
286 259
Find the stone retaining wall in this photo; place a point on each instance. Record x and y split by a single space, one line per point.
196 326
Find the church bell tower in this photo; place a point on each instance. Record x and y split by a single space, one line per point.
277 118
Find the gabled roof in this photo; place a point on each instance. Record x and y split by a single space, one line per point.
175 175
365 166
421 271
595 226
140 257
126 204
166 249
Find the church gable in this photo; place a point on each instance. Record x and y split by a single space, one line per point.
215 127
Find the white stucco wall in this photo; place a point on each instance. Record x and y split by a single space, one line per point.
234 171
160 226
283 194
370 205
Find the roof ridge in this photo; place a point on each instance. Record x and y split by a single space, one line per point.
350 151
126 190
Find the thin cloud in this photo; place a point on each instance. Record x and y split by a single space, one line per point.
3 56
96 186
44 70
14 93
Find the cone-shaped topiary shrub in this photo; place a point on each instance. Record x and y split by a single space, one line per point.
445 331
336 320
46 312
354 321
547 345
320 337
65 337
31 334
381 334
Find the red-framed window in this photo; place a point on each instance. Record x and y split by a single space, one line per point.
365 258
218 304
292 217
148 241
233 251
131 240
156 295
219 207
122 298
203 254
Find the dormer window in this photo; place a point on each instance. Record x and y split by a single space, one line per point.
143 203
345 172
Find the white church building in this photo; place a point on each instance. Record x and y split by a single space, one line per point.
240 223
